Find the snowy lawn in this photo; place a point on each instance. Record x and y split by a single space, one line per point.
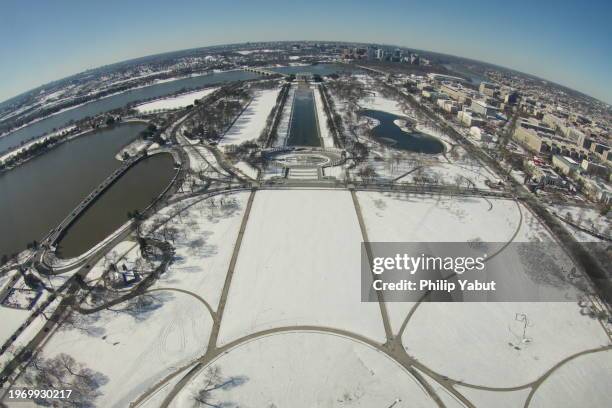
204 245
466 332
305 370
284 124
252 121
11 320
174 102
586 217
247 169
299 264
326 134
586 378
136 351
378 102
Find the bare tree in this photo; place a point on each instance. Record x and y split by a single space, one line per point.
214 380
64 372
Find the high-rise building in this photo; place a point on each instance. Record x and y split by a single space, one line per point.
397 55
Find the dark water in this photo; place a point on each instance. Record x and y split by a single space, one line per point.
133 191
321 69
473 77
117 101
389 133
37 195
304 130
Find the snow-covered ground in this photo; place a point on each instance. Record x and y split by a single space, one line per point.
29 144
586 217
204 246
299 263
252 121
506 399
586 378
378 102
483 345
11 320
285 122
305 370
174 102
247 169
153 344
135 352
133 148
478 339
326 134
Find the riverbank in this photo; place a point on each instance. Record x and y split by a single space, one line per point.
59 142
157 88
36 196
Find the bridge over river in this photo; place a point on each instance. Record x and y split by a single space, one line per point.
263 71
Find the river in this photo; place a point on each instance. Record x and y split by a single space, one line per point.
37 195
59 120
133 191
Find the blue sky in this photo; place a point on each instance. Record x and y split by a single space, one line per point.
568 42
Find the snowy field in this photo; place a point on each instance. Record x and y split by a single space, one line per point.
252 121
306 370
586 378
247 169
153 344
11 320
175 102
299 264
468 331
136 351
204 245
284 124
378 102
586 217
326 134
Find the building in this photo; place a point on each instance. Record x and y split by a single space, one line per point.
598 191
483 108
469 118
566 165
546 176
510 97
371 53
595 169
488 89
397 55
457 92
447 105
380 54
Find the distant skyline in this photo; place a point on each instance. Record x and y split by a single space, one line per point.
567 42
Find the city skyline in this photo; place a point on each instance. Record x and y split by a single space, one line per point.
522 38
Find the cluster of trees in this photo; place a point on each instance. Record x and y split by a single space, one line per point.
212 120
269 133
152 133
334 121
214 380
63 372
33 150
